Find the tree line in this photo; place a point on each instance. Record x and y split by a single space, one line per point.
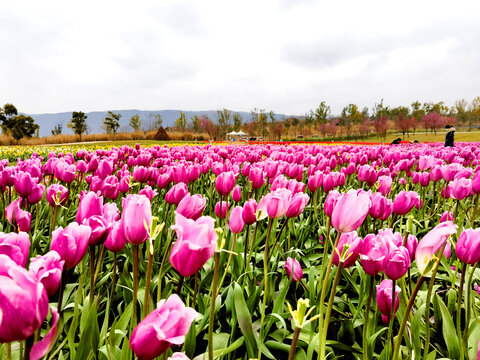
352 120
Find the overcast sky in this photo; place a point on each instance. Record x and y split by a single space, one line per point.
285 55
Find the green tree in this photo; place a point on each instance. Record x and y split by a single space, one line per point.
135 123
474 112
237 121
111 123
321 113
78 123
273 128
350 116
57 129
223 118
157 121
181 122
18 126
196 124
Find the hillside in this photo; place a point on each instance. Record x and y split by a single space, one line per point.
95 119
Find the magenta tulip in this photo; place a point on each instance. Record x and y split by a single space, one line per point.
136 218
374 254
237 193
277 203
176 193
297 204
165 326
257 177
24 183
405 201
90 204
468 246
330 202
225 183
354 243
192 206
16 246
196 243
115 240
384 299
350 210
249 212
36 194
110 212
23 302
48 270
398 263
100 228
221 209
384 184
236 222
71 243
431 243
460 188
57 195
293 269
381 207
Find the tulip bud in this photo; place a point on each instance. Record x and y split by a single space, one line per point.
293 269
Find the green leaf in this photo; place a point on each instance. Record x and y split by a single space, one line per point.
448 328
417 324
245 322
89 337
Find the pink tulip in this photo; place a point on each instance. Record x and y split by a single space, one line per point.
236 222
71 243
176 193
148 192
350 210
178 356
446 216
381 207
398 263
48 270
16 216
384 184
374 254
165 326
468 246
297 204
476 183
248 212
110 212
277 202
354 242
293 269
24 183
330 202
257 177
124 184
237 193
16 246
384 299
57 195
196 243
115 239
225 183
221 209
36 194
23 304
431 243
405 201
100 228
90 204
109 187
460 188
315 181
192 206
136 218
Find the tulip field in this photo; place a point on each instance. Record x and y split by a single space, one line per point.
276 251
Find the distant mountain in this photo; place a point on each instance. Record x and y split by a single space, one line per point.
95 119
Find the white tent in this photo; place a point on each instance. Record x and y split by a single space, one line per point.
233 133
241 133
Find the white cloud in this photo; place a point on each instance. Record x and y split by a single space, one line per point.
286 56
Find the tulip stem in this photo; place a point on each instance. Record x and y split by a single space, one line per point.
135 286
247 232
195 291
468 295
389 340
160 273
428 300
148 279
459 308
293 347
99 263
265 285
180 284
323 334
228 261
92 273
474 214
114 273
8 350
367 314
212 304
28 347
324 287
396 348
